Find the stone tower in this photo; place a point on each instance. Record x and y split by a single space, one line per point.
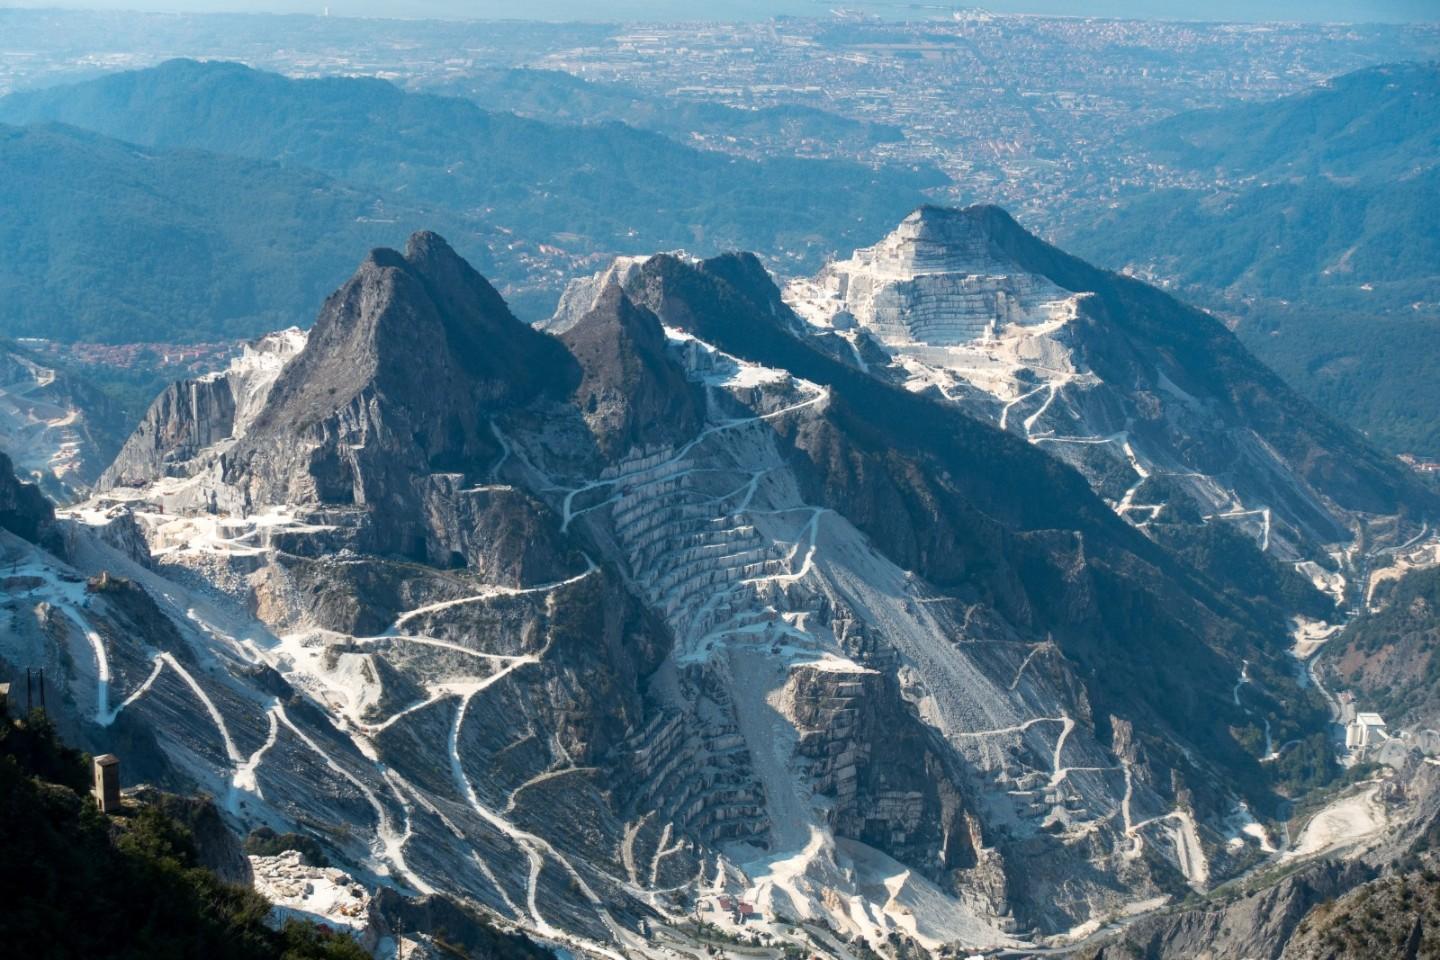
107 782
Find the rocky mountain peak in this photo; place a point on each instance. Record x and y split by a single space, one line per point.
614 312
745 275
938 279
944 240
392 395
631 389
401 375
483 334
421 327
582 293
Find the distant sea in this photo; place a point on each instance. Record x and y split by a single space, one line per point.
1361 11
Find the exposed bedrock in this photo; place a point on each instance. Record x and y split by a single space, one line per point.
24 510
1154 402
631 390
55 426
186 418
893 786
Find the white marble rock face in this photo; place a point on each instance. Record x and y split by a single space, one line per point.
932 281
959 317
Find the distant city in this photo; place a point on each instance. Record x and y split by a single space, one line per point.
1028 111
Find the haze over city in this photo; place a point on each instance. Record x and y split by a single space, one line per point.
1358 11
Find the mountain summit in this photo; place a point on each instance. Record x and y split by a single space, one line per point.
1153 401
423 328
396 382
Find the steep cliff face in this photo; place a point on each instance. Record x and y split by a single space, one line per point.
680 612
24 510
381 413
396 386
195 417
892 787
422 332
189 417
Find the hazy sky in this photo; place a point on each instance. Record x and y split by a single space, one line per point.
1352 10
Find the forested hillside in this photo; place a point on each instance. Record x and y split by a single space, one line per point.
1309 223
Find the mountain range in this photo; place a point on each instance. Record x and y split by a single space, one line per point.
577 191
710 608
1166 413
113 242
1290 219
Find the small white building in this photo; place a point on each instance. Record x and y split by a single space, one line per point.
1364 730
